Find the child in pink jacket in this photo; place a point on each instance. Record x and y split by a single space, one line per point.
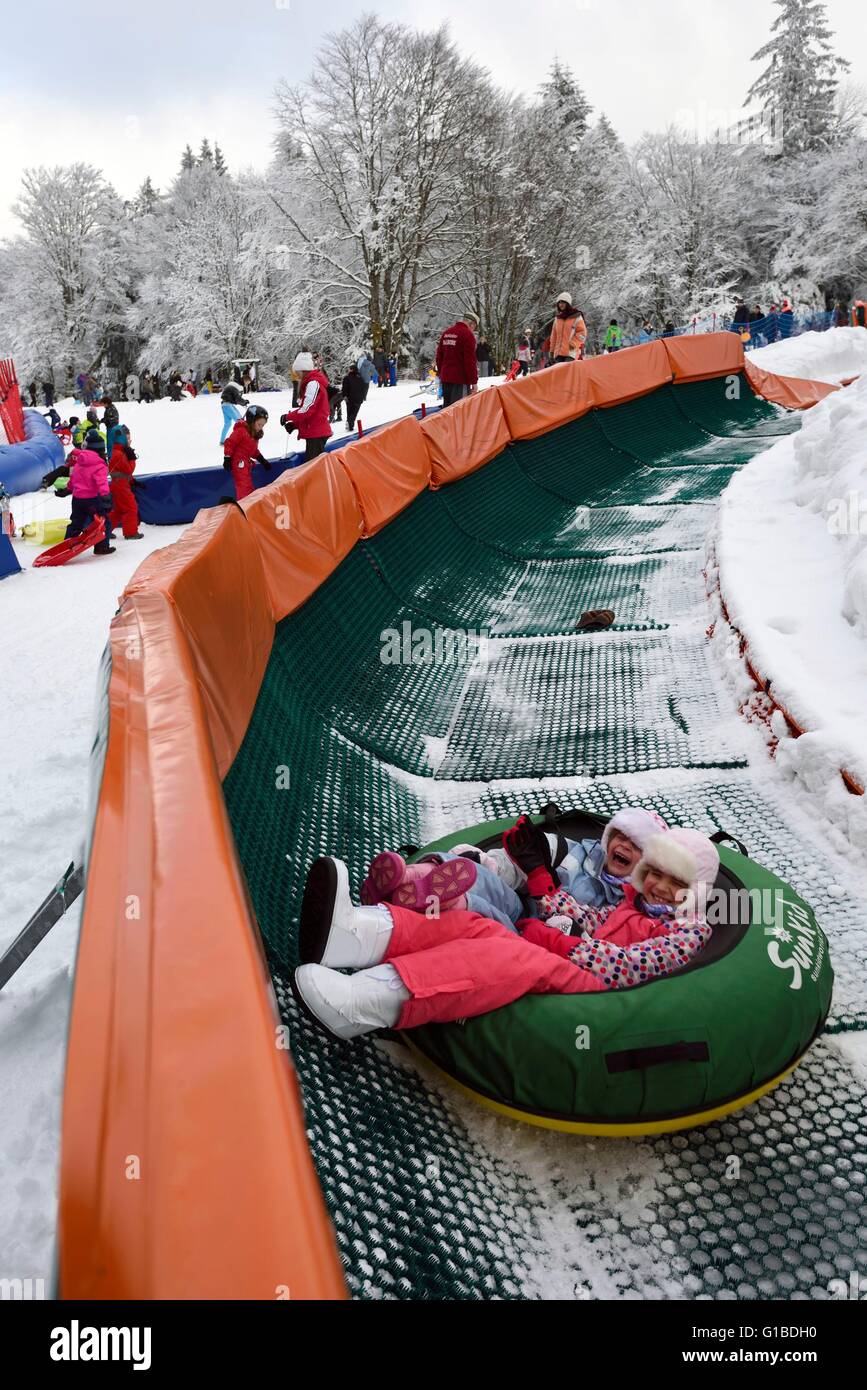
413 969
91 491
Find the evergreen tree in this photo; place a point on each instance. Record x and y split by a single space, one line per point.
564 101
220 165
799 84
188 161
205 153
147 198
606 133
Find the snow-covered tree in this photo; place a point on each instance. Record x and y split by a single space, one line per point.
378 143
220 165
206 155
797 87
687 248
146 198
566 107
66 277
188 160
216 288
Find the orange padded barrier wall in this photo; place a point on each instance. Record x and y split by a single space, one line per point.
697 356
185 1166
388 470
214 578
304 523
794 392
467 435
186 1172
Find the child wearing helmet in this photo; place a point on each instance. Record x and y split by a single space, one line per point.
241 450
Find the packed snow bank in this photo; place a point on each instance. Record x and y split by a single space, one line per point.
835 355
172 435
792 555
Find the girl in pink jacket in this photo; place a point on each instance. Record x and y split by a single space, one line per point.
412 969
91 491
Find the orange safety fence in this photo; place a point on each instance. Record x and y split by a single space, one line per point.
795 393
704 355
215 580
305 522
387 470
467 435
185 1166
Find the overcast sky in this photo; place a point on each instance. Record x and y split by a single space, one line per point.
126 86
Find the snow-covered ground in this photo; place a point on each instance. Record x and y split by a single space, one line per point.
792 555
834 356
798 591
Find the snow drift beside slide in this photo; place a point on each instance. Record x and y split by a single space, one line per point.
792 553
836 355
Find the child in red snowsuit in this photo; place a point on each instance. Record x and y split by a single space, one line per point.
241 450
124 507
413 969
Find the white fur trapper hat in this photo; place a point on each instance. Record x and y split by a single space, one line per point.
685 854
303 362
566 296
636 824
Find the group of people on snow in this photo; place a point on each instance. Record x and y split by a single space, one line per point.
541 915
98 474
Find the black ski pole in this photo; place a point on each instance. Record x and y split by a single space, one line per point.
61 897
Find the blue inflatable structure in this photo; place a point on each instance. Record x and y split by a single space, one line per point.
23 466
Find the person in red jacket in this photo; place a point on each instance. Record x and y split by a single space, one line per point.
311 417
457 366
124 512
241 450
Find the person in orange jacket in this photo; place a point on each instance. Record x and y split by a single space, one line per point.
568 331
124 512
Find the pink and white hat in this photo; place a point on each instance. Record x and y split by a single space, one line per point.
685 854
636 824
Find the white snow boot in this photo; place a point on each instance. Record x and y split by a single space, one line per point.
349 1005
333 931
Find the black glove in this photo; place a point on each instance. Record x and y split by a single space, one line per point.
137 486
264 462
105 505
227 464
284 421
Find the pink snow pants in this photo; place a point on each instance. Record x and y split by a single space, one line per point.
459 965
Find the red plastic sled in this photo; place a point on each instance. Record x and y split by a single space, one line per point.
67 550
513 370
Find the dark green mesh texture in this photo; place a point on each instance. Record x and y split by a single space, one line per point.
432 1197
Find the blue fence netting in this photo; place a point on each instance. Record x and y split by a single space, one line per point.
760 332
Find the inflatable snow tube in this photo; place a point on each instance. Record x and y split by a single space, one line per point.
23 466
661 1056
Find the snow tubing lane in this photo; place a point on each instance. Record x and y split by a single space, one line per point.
661 1056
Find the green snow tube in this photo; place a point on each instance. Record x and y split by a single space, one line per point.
660 1056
